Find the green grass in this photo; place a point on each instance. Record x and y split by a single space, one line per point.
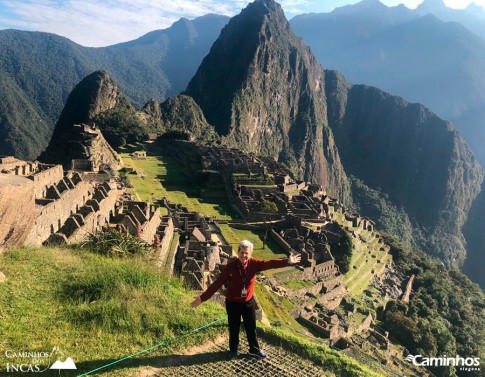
164 177
234 236
297 284
94 308
330 360
276 308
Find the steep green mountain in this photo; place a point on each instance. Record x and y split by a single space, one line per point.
15 139
445 314
98 100
474 231
408 53
262 88
94 95
39 70
417 161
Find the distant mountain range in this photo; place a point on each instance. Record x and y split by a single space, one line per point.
414 54
39 70
406 52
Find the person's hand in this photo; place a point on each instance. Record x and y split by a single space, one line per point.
196 302
294 258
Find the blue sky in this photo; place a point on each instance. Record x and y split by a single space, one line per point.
104 22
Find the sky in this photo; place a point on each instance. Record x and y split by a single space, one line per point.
97 23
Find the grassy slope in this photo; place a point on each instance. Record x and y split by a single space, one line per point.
94 308
97 310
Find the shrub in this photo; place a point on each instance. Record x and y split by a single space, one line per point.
266 207
111 242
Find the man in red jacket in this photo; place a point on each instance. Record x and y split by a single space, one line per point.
239 277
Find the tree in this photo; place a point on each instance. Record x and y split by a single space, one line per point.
343 252
266 207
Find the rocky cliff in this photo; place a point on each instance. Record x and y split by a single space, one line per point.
410 155
262 88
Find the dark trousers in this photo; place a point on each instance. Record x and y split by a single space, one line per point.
234 312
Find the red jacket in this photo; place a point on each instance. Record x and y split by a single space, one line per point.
231 275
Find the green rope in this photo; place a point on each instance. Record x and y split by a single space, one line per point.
155 346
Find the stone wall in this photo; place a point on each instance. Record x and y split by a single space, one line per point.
150 227
17 209
281 242
9 162
51 217
96 219
82 165
46 178
166 230
324 332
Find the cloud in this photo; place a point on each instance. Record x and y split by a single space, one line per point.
101 23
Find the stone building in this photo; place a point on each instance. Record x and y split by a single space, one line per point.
140 219
55 206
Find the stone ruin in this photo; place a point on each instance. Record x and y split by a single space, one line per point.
96 155
43 204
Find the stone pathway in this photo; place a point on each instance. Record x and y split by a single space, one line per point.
212 360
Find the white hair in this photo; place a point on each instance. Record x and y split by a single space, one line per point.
244 244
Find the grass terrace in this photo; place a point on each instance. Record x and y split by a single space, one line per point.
164 177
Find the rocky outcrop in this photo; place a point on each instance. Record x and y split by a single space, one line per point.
95 94
181 114
263 89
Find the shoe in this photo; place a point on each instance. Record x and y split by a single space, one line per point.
259 353
232 355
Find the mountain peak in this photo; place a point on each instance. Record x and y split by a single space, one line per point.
94 94
263 89
431 6
263 8
364 5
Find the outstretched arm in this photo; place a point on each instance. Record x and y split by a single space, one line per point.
213 288
196 302
262 265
